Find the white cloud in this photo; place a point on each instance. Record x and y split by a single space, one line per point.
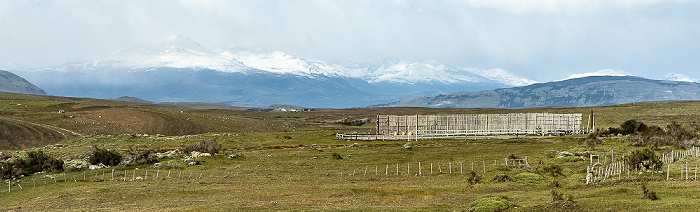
604 72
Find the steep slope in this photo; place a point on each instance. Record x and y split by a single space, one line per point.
588 91
12 83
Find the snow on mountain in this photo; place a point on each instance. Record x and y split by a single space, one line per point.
401 71
604 72
504 77
679 77
170 52
281 63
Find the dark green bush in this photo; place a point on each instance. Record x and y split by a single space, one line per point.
335 155
648 194
34 161
632 126
104 156
646 157
473 178
501 178
211 147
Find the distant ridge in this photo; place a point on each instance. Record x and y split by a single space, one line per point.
133 99
12 83
579 92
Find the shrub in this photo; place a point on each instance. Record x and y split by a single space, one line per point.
556 196
592 140
211 147
473 178
34 161
558 161
632 126
104 156
37 161
501 178
335 155
646 157
648 194
551 170
491 204
137 157
528 177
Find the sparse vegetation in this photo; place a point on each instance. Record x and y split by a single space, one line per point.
276 171
211 147
138 157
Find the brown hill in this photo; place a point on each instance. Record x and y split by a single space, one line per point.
33 121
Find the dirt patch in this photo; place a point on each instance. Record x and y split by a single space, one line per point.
21 134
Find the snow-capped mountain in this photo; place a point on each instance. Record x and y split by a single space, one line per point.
180 69
171 52
504 77
680 78
401 71
281 63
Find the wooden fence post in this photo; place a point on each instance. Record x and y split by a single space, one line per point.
420 172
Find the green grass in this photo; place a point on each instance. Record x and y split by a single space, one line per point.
274 176
291 168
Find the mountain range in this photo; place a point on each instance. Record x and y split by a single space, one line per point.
586 91
178 69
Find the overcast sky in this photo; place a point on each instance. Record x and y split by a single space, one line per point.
539 39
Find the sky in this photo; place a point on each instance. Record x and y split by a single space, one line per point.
543 40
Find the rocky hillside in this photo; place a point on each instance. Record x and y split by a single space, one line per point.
12 83
588 91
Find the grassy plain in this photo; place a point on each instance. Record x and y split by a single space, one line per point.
288 165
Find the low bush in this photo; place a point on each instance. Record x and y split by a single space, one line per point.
551 170
646 157
528 177
473 177
34 161
137 157
501 178
335 155
491 204
104 156
567 159
211 147
648 194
